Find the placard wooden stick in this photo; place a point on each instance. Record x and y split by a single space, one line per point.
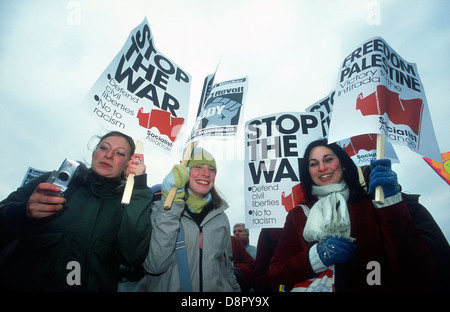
379 194
130 179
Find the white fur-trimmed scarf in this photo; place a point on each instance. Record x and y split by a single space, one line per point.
329 215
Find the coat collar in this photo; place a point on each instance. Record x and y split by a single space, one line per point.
207 213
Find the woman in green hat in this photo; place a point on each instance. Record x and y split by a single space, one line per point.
197 212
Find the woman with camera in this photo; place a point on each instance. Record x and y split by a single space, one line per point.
341 240
76 242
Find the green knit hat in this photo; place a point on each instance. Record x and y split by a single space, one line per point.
200 156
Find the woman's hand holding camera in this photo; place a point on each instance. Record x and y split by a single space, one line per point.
41 204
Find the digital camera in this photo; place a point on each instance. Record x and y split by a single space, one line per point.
64 175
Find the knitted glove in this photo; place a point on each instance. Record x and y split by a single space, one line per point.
178 177
382 174
335 250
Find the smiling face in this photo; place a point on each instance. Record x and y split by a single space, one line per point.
201 180
324 166
111 156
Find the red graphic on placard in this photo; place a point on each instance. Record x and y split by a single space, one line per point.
366 142
294 199
383 100
162 120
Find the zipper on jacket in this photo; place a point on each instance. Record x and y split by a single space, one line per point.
200 247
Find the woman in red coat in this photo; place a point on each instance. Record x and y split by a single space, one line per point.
340 240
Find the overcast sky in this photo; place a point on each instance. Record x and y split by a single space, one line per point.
52 52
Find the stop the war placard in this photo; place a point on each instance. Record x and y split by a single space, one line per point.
274 147
141 93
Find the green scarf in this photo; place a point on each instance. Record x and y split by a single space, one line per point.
195 204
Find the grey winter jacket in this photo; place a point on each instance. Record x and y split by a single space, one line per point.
208 248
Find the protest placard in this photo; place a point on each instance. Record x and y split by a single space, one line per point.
325 107
379 92
31 174
360 148
274 147
220 114
141 93
207 87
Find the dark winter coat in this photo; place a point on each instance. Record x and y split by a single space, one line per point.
386 235
435 239
94 229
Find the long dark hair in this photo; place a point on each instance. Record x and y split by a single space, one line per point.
350 172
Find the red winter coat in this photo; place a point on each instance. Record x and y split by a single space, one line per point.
244 262
386 235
